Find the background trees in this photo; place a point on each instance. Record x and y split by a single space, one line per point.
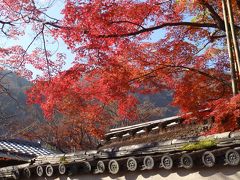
124 48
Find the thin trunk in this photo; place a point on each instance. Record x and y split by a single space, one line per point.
234 38
230 53
237 72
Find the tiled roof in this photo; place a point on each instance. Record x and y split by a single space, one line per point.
187 153
175 151
21 150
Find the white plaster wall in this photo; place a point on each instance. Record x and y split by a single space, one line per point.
216 173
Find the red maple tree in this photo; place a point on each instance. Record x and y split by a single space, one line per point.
127 47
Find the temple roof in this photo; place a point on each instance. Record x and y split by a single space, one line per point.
21 150
164 144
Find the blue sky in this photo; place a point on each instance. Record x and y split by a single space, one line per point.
57 46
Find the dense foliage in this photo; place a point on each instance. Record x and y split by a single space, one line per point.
124 48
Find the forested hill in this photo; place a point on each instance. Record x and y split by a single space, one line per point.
15 114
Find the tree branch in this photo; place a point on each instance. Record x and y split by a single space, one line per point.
129 22
46 54
6 91
218 20
168 24
163 66
30 44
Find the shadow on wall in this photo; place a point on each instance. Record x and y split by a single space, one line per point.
217 172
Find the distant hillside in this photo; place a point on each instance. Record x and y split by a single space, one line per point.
162 101
13 108
152 107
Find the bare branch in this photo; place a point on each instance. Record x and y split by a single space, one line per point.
46 55
4 118
6 22
4 75
6 91
23 56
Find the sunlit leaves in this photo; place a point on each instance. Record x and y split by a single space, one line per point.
123 48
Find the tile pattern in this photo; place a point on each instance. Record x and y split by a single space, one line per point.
23 148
